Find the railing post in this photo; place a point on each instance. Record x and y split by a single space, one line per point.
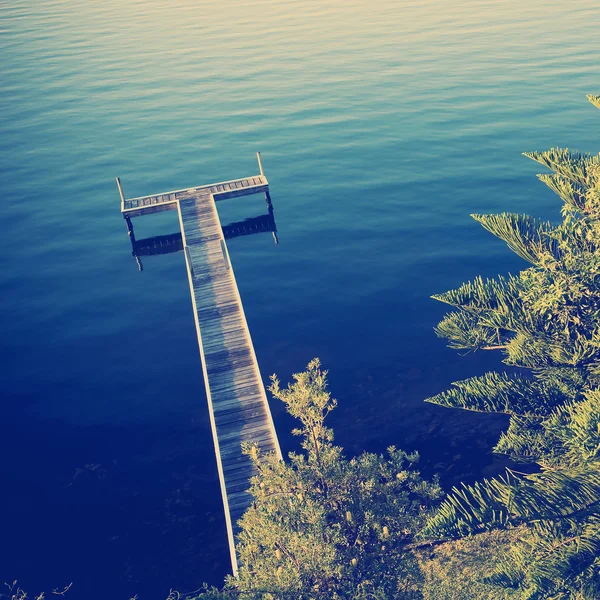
121 194
188 257
224 251
130 231
262 173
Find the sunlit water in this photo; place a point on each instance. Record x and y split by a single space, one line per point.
382 126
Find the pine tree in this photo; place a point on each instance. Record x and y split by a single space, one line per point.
546 322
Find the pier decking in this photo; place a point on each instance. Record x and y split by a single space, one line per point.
135 207
237 402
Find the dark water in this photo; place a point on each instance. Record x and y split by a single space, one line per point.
382 126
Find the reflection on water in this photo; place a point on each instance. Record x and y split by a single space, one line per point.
167 244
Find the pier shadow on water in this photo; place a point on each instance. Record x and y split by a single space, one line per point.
173 242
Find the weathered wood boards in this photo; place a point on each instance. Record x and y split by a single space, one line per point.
236 396
238 406
135 207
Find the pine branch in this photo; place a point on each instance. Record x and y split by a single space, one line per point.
526 440
525 236
575 166
550 495
571 192
501 293
595 100
465 331
580 430
500 392
518 320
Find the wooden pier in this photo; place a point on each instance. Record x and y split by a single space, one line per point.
237 402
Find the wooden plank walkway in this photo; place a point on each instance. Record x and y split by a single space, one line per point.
144 205
237 402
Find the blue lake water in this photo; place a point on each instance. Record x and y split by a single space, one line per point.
382 126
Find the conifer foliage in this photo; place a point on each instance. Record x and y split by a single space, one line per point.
324 526
546 322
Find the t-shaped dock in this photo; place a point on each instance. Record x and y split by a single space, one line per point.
237 402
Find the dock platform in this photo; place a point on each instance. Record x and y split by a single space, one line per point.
237 403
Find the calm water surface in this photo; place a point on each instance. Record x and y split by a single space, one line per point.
382 126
